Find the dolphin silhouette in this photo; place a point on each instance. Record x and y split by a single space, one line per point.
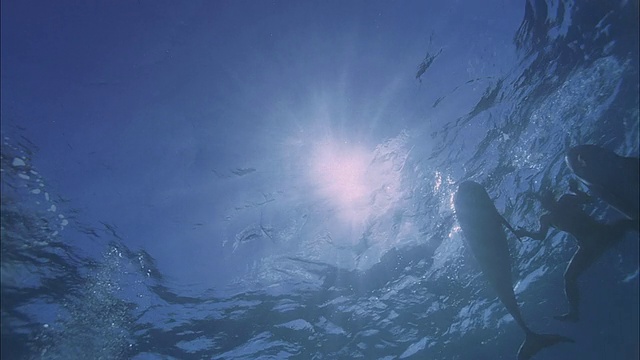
615 179
482 228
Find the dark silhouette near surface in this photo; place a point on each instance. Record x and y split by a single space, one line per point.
613 178
482 228
593 237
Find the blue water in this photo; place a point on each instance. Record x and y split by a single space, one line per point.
395 283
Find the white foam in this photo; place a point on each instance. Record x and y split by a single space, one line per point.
529 279
18 162
631 276
414 348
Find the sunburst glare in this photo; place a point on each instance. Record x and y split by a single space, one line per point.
338 173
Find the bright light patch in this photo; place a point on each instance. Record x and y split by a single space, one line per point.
436 186
339 175
351 186
456 229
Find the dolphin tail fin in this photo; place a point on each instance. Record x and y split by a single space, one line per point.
536 342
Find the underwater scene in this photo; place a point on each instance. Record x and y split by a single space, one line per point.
352 179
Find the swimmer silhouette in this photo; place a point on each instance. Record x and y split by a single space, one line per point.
613 178
593 237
